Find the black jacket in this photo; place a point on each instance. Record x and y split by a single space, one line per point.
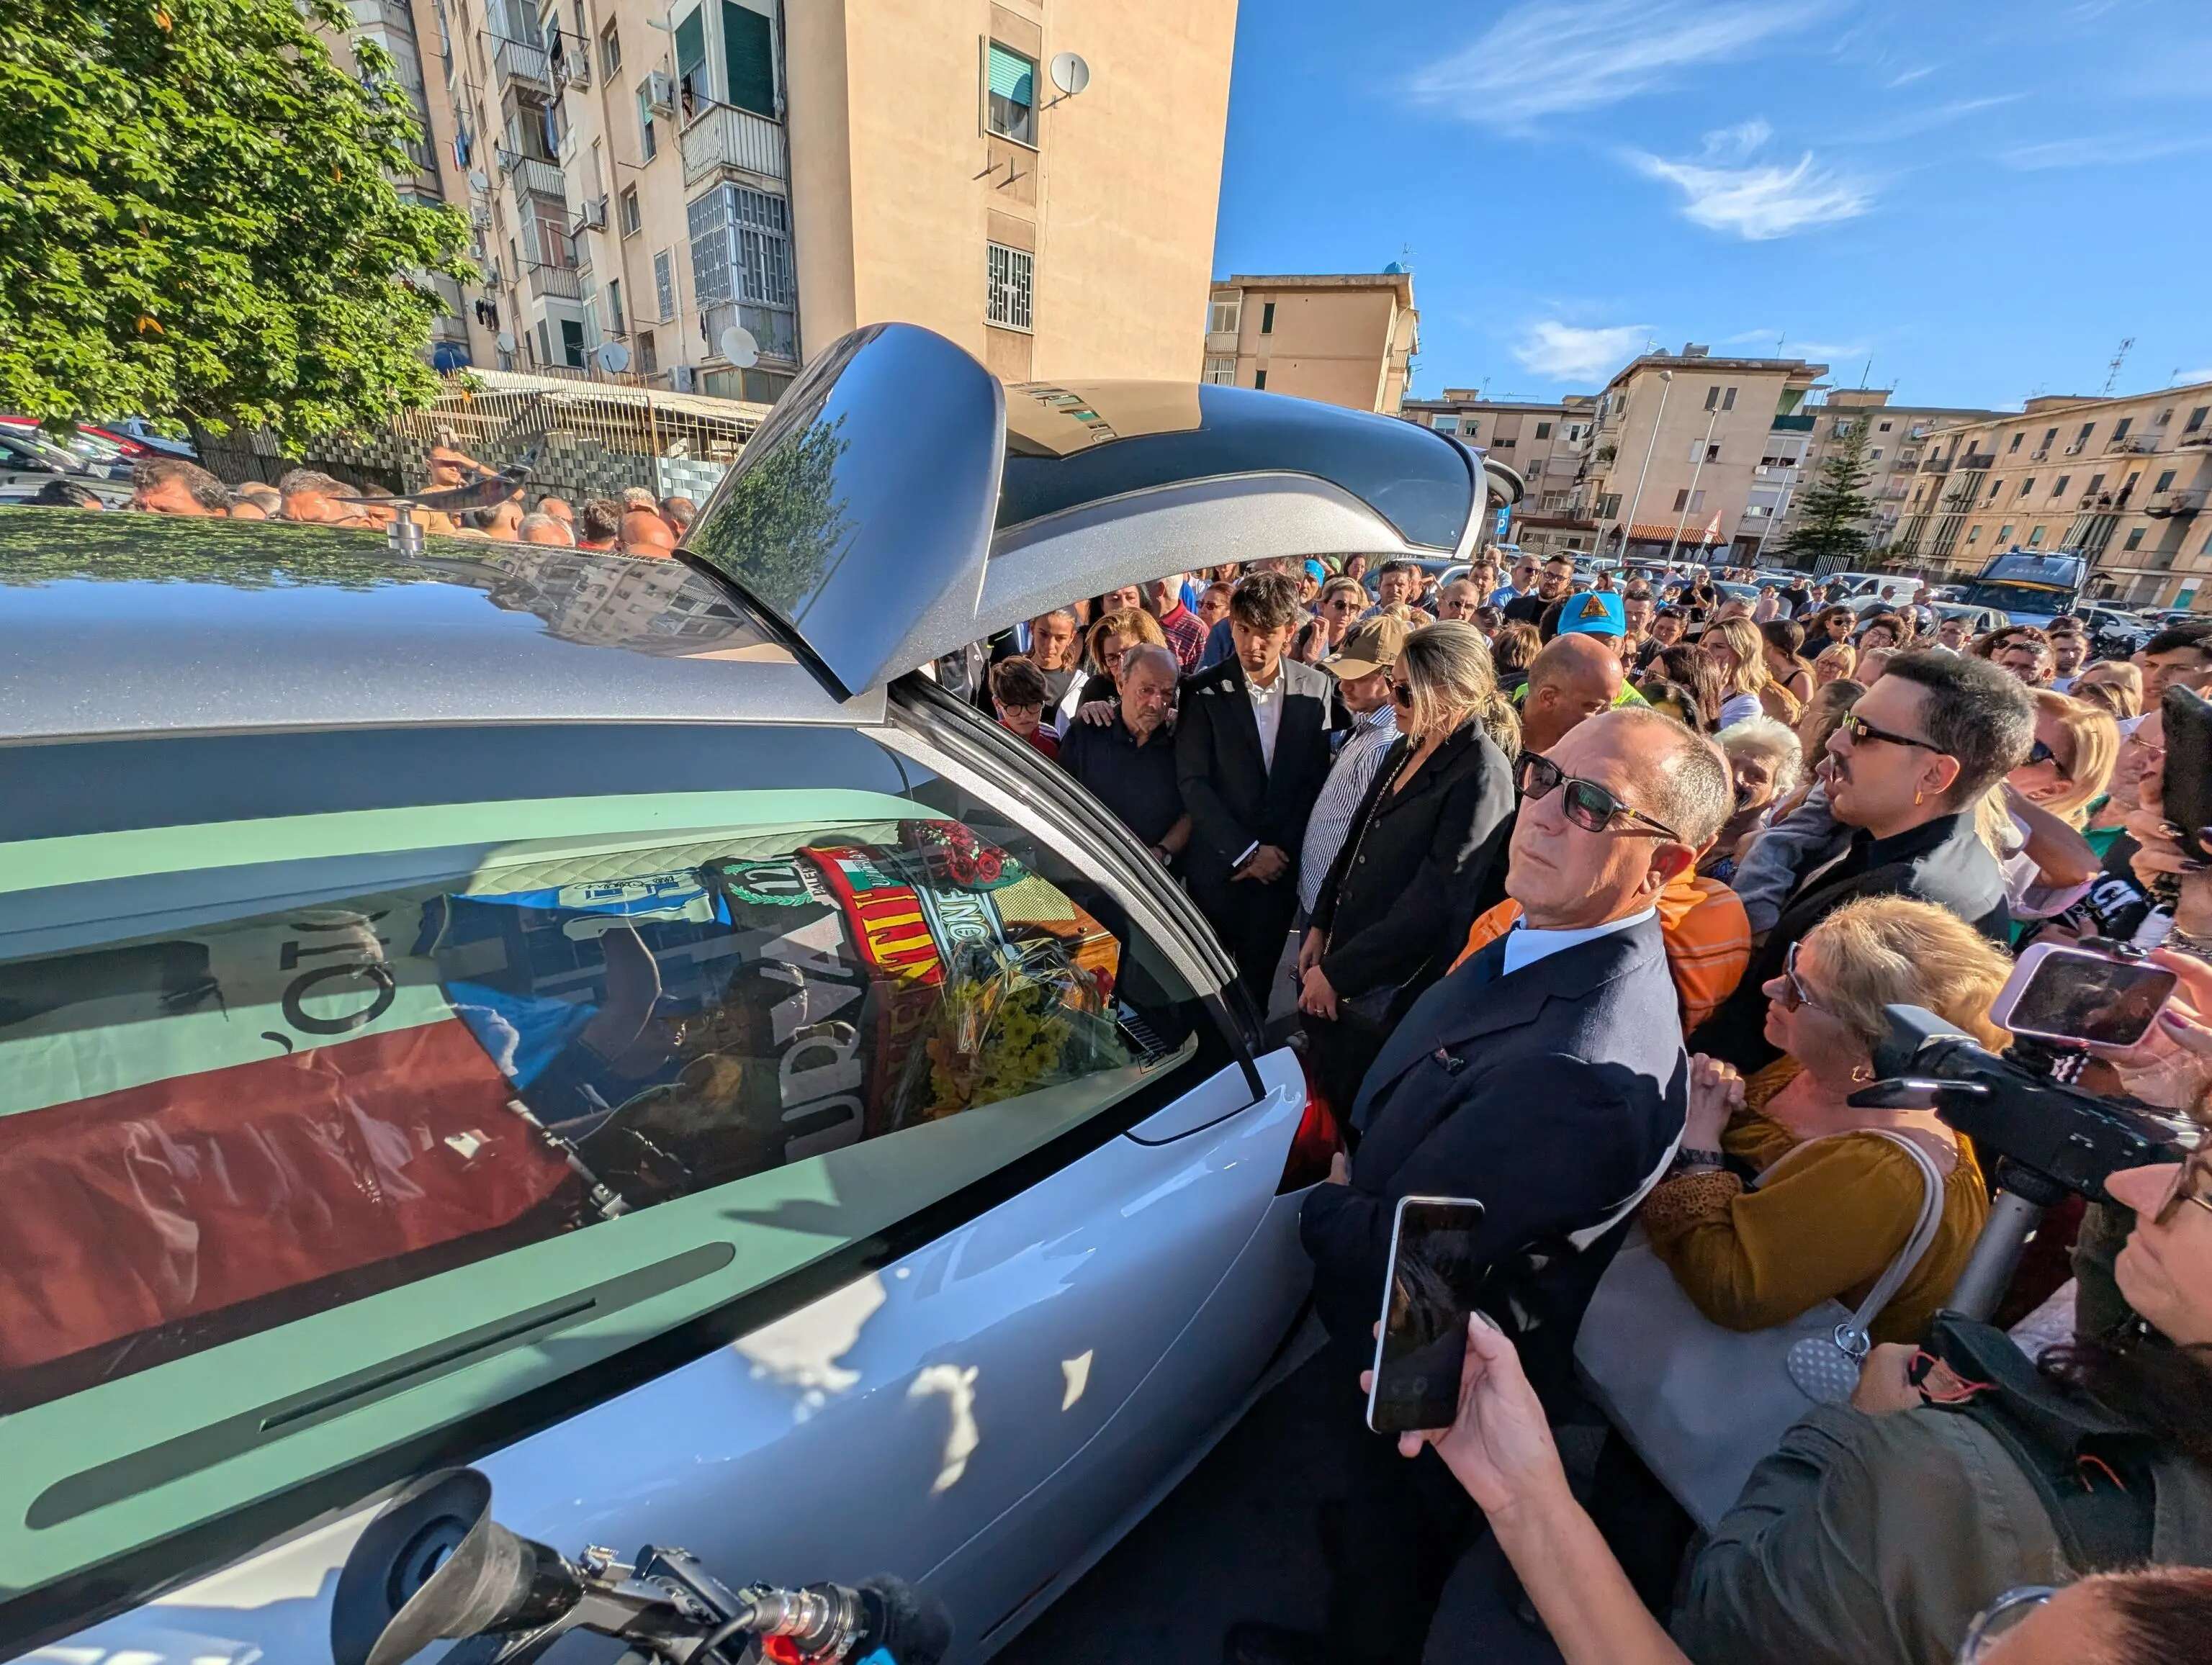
1234 798
1554 1095
1399 899
1942 861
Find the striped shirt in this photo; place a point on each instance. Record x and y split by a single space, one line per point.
1340 795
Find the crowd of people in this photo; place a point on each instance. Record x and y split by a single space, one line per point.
636 523
1586 901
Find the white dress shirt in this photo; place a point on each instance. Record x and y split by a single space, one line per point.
1525 945
1266 713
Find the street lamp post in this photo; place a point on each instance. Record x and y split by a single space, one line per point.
1628 526
1691 496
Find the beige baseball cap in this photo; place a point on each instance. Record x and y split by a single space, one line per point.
1370 645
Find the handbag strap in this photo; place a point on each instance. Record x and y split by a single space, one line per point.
1851 1335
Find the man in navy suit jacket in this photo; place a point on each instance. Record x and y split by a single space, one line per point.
1546 1078
1251 753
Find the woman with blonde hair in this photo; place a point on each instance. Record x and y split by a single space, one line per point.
1786 1194
2048 864
2122 678
1112 636
1837 663
1738 653
1399 896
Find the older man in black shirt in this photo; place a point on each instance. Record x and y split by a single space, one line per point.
1129 762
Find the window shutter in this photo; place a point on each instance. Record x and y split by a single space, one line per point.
692 45
1013 75
748 59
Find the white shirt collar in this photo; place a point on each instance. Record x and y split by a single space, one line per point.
1526 945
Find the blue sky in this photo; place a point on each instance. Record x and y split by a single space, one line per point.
1983 196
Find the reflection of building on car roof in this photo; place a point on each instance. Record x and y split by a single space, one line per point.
304 1107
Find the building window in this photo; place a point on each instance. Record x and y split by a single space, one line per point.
2004 533
748 59
630 219
1225 315
1221 371
2096 483
1008 301
2014 445
1543 430
1728 400
2164 481
1876 454
1713 397
741 258
2164 417
1260 380
1885 427
2135 539
1447 425
649 140
611 48
2026 485
2058 485
2083 438
1972 533
2196 419
1267 318
617 320
648 354
1012 87
664 284
2120 429
2034 536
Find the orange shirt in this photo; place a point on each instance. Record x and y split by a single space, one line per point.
1707 934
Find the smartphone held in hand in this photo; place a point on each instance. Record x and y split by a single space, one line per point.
1427 1293
2079 997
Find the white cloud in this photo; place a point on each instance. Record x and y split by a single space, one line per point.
2103 150
1905 78
1739 143
1568 353
1914 123
1760 201
1549 57
2183 378
1744 337
1827 349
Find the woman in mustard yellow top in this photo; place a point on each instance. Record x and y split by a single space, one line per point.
1784 1194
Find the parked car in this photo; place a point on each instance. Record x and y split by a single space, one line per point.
620 1024
138 428
29 462
96 449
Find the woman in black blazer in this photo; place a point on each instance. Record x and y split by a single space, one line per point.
1398 898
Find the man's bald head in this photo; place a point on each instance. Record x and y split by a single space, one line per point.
644 533
1571 678
544 529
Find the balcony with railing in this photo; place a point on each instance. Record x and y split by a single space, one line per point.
555 283
533 176
2134 442
2176 505
1978 459
723 136
1792 425
1936 465
521 61
1776 474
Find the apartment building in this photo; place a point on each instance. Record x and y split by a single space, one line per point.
1897 438
1546 443
2122 480
1686 442
1346 338
723 187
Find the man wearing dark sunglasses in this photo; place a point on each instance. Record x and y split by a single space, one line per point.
1905 768
1544 1076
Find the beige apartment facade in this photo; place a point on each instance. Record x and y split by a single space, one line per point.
1687 445
1897 438
759 177
1546 443
2122 481
1345 338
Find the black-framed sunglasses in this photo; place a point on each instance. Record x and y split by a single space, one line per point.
2039 752
1793 994
1861 731
1588 805
2193 1183
1403 693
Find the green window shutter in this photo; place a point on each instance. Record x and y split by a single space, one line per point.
749 58
690 44
1013 75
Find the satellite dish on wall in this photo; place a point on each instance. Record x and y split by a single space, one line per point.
479 181
614 357
506 341
738 346
1069 73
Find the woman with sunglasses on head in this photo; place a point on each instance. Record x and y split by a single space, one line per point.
2048 864
1400 895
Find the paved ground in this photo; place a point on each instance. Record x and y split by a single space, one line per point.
1237 1540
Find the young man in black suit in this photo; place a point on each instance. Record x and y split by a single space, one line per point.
1545 1077
1251 752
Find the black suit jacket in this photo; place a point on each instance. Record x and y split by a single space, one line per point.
1943 860
1555 1096
1398 902
1234 798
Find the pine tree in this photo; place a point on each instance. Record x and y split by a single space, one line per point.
198 221
1831 514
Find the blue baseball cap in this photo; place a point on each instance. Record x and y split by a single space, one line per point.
1593 613
1314 569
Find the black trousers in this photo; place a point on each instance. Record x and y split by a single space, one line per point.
1252 921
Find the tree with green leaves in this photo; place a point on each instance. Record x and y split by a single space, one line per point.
1833 512
198 221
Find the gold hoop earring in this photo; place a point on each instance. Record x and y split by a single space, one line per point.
1862 1073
